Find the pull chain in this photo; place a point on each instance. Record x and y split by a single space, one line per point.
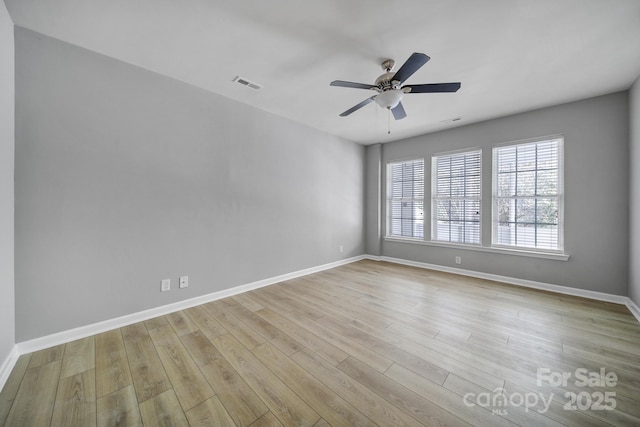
389 122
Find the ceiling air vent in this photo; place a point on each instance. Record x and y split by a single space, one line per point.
248 83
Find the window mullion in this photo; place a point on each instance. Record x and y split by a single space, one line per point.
535 193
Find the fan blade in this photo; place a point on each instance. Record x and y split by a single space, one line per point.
433 88
398 112
413 64
359 106
342 83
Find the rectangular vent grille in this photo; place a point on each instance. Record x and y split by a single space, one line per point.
247 83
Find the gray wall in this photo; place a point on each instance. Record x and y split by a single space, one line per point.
596 188
125 177
7 317
373 243
634 208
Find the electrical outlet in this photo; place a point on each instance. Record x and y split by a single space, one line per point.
184 282
458 260
341 249
165 285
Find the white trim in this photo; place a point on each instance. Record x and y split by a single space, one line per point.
8 365
107 325
600 296
530 140
84 331
633 308
456 151
478 248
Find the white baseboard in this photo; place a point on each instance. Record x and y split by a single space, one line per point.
96 328
7 366
633 308
566 290
600 296
107 325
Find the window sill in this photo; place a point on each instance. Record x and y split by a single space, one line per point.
478 248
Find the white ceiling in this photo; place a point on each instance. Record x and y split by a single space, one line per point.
510 55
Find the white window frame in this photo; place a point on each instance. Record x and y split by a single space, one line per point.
435 198
391 197
495 217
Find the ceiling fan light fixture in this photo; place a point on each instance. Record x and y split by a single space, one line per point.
390 98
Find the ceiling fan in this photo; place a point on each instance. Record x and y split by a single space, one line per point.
390 91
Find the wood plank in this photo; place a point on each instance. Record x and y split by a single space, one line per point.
147 372
79 356
283 300
76 401
205 322
210 413
329 406
243 405
228 302
609 353
112 366
47 355
617 361
336 304
33 405
345 344
285 405
240 330
556 410
11 387
156 322
267 420
275 298
615 417
522 369
368 402
409 401
462 364
187 380
271 333
119 409
181 323
310 340
163 410
445 398
628 381
392 352
248 301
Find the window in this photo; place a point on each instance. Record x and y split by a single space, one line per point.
456 184
528 196
405 199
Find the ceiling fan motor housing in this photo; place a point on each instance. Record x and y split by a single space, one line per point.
384 82
390 94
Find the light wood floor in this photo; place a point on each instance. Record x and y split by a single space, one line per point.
369 343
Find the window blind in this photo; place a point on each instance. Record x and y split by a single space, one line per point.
527 200
456 197
405 199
